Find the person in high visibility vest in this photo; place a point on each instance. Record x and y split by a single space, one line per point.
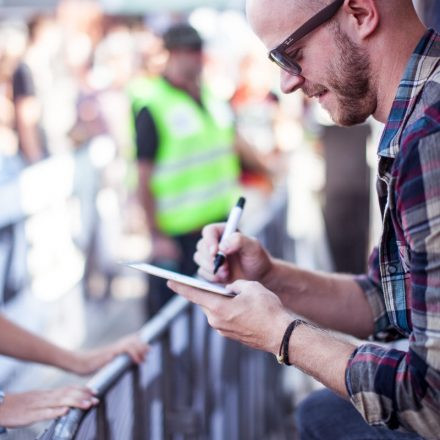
188 169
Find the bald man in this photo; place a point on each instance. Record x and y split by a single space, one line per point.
358 58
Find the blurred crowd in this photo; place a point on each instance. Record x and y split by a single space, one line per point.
62 77
65 81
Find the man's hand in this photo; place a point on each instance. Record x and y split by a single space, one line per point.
246 258
35 406
89 361
255 317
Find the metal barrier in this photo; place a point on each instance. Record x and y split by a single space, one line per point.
195 384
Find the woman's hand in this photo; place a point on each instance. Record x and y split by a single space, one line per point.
87 362
35 406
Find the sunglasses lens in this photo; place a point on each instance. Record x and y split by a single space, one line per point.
285 62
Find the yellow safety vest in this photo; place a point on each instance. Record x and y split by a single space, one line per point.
195 178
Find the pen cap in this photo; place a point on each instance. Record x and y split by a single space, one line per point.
241 202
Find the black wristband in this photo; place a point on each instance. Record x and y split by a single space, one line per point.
283 353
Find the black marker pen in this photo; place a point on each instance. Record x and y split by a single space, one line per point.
231 226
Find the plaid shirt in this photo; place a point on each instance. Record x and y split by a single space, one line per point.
390 387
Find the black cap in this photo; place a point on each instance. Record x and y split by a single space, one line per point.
241 202
182 36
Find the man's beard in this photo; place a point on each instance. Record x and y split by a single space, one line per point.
350 80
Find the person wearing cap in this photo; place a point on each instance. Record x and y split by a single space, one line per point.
187 167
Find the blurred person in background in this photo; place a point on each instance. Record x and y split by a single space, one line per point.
90 134
187 167
188 156
25 408
12 46
101 68
258 114
89 121
13 41
27 100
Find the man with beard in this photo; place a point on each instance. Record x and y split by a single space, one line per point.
358 58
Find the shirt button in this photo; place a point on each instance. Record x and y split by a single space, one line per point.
392 269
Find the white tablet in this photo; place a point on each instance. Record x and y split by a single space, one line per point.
184 279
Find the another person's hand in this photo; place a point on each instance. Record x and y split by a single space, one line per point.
35 406
254 317
164 248
87 362
246 258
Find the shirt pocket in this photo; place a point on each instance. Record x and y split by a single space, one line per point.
395 283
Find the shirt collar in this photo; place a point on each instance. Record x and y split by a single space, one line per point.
420 66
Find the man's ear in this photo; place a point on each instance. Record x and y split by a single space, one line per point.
363 17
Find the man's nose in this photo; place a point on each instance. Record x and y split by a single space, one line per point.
290 83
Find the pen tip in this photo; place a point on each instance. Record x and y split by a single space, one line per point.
218 261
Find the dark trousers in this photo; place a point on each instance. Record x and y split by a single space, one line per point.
325 416
158 292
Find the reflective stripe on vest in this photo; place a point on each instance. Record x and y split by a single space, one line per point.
196 170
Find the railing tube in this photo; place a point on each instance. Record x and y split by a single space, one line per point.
67 425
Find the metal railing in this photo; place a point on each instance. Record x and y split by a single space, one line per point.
194 384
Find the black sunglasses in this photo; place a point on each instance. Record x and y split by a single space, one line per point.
281 54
